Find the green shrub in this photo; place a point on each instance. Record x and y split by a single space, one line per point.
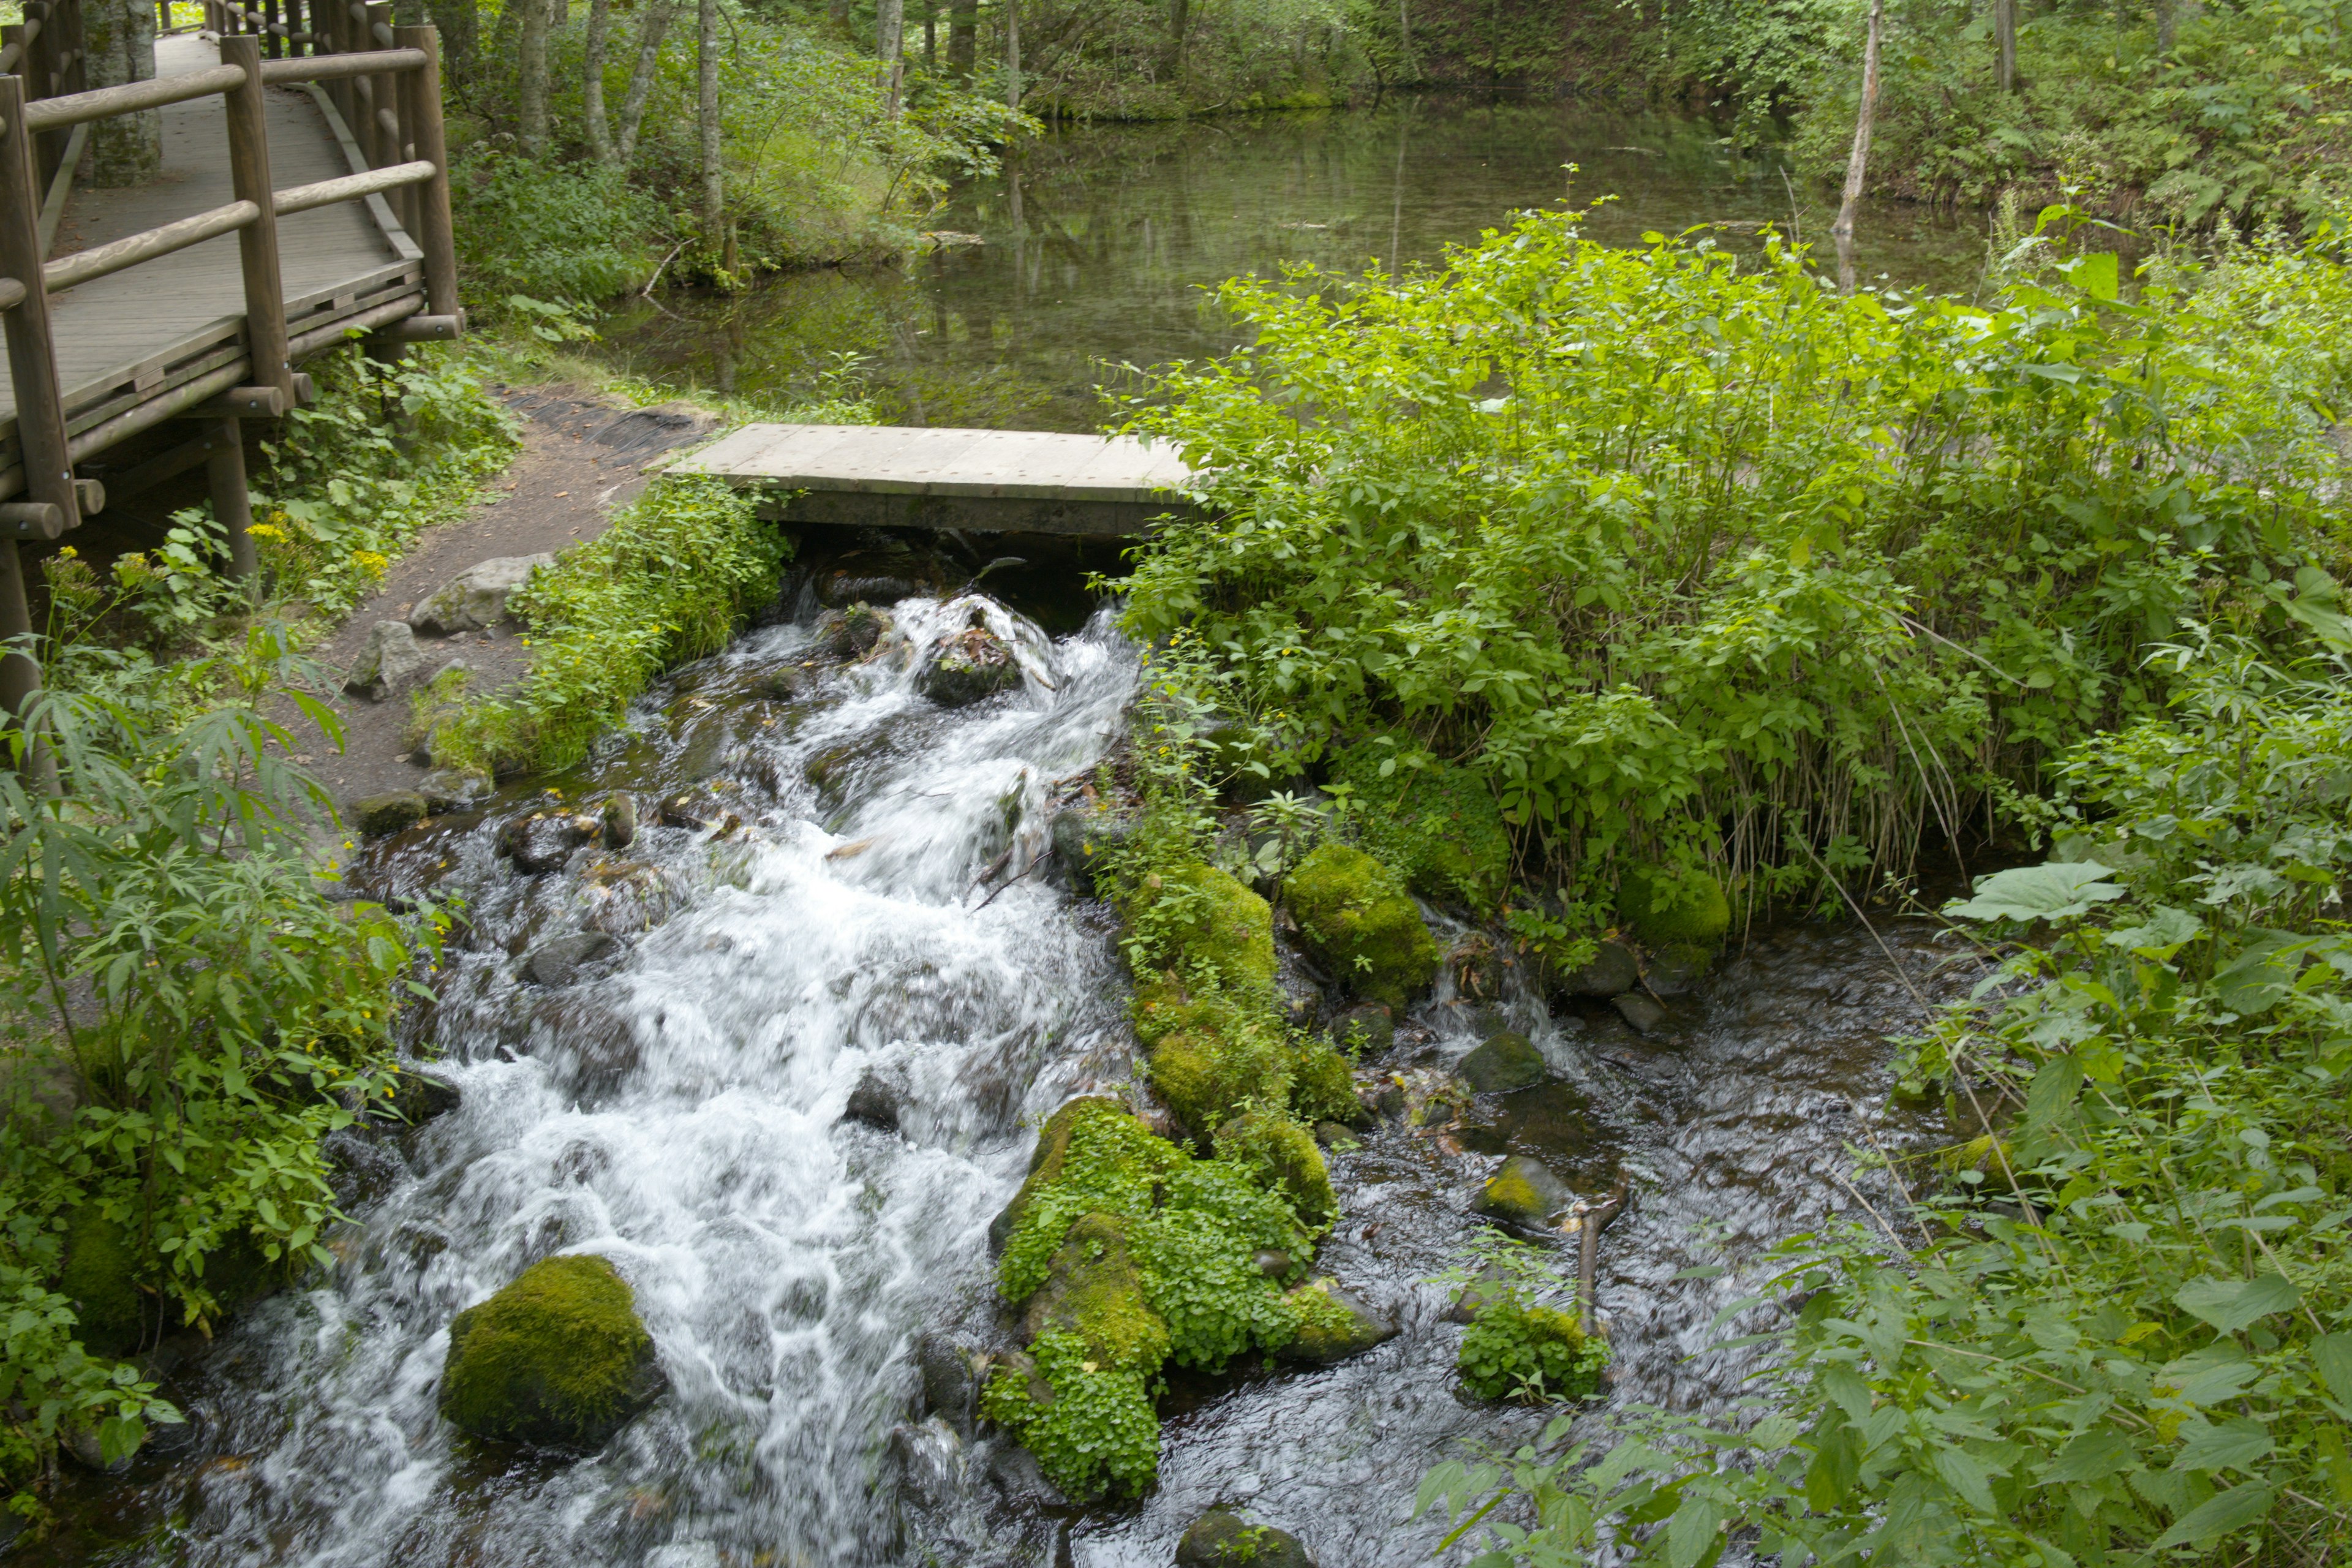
1092 1427
1437 823
668 582
1355 914
574 231
1517 1350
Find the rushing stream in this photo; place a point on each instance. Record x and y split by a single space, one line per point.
679 1107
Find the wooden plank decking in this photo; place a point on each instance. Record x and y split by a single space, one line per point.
989 480
128 338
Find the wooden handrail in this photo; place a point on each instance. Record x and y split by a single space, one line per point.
325 193
333 67
50 113
131 249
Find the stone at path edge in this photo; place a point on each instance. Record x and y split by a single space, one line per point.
477 597
389 663
380 816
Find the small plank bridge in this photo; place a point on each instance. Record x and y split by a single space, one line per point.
303 197
1000 482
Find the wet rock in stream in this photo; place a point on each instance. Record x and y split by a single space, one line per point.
545 840
559 962
970 666
1223 1539
1524 1192
1508 1060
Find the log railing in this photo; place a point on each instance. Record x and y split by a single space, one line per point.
382 82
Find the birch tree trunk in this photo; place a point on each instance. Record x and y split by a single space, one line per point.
119 47
658 16
592 80
1857 166
889 45
2005 32
530 62
714 186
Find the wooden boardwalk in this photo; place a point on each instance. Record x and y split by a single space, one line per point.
172 319
1023 481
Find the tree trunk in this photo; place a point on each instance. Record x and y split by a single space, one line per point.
838 11
2005 32
2168 21
530 62
1857 166
460 24
1012 58
659 14
1180 23
592 80
1412 72
119 47
714 187
930 36
889 45
963 38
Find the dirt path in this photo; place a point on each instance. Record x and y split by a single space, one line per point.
580 463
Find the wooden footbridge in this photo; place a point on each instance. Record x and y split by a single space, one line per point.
303 198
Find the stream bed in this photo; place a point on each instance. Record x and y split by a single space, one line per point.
807 909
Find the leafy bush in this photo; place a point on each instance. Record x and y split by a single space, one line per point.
1435 822
1517 1350
670 581
2148 1356
163 1154
577 231
1588 519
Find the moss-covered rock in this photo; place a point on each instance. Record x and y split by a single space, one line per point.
1508 1060
1517 1350
1438 824
1612 971
1086 834
1669 908
1322 1083
1092 1289
1206 1080
1355 914
1052 1148
558 1359
1523 1192
1281 1156
1366 1031
1223 1539
1333 1324
101 1279
1197 916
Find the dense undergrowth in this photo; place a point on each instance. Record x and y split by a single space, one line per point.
2124 1333
188 1008
1696 563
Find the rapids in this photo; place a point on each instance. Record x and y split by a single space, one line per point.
859 910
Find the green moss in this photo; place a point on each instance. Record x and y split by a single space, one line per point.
1506 1061
1053 1148
1666 909
1092 1427
1094 1158
1523 1192
1436 823
1322 1084
1195 917
101 1279
1281 1156
1356 916
558 1358
1094 1290
1207 1078
1517 1350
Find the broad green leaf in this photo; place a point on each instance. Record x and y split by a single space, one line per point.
2099 1453
2231 1304
2234 1444
2051 892
2166 930
2331 1356
2217 1516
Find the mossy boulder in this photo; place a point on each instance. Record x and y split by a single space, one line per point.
969 667
1523 1193
1206 1077
1515 1349
559 1359
1436 823
1355 914
1197 916
1094 1290
1223 1539
1678 910
1508 1060
1366 1031
1052 1148
1322 1083
1333 1324
1611 971
1280 1156
1086 833
101 1279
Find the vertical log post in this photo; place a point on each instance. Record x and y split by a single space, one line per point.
272 44
433 232
32 373
383 92
232 502
265 291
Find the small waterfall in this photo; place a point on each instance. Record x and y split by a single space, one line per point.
679 1110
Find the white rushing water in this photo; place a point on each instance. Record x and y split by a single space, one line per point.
680 1112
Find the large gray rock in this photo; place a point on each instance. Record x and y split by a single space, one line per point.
379 815
1333 1342
1524 1192
558 961
1508 1060
390 663
1612 971
973 664
477 597
1645 1016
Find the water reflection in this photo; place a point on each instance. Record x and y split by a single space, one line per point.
1097 250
